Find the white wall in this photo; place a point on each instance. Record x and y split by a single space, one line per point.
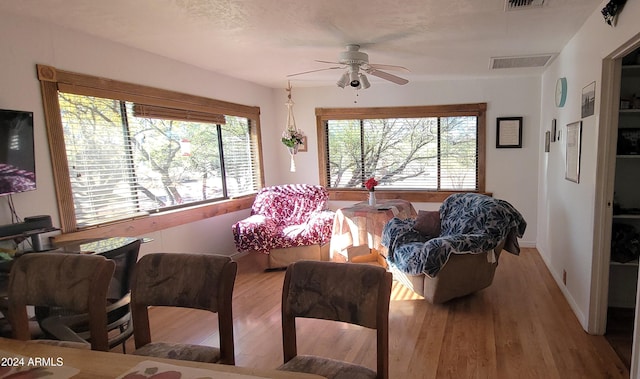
566 209
511 173
25 43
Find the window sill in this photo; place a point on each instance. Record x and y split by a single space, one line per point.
413 196
159 221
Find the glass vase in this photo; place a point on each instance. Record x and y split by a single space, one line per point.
372 199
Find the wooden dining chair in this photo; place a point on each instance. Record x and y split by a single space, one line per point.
119 326
347 292
199 281
75 282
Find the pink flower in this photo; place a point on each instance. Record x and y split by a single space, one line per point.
371 184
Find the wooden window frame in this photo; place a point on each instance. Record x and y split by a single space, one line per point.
53 80
473 109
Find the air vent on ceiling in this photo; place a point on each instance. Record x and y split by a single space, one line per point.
513 5
521 61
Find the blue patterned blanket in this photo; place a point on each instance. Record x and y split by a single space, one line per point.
470 223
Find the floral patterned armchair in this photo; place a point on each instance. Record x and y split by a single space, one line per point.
289 222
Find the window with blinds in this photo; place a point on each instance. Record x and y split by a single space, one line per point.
430 153
127 159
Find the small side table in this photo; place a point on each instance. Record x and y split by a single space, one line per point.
361 225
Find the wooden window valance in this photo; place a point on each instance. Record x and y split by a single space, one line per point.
152 111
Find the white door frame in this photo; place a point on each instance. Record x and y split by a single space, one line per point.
603 216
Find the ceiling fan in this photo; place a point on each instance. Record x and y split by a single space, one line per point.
355 61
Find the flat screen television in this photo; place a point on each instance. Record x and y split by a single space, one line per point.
17 159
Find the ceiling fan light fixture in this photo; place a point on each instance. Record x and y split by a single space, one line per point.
354 79
344 79
364 81
355 64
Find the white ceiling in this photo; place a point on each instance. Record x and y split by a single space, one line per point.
263 41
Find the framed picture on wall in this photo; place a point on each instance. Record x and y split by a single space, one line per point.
303 146
547 140
509 132
588 100
573 141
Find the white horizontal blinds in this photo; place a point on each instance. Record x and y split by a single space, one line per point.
100 164
240 157
425 153
401 153
127 159
152 111
458 153
177 161
344 152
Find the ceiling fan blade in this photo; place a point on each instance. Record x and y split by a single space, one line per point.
308 72
387 76
388 67
327 62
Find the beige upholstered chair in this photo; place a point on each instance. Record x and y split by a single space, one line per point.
347 292
453 252
75 282
200 281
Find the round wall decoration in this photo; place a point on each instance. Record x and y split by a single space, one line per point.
561 92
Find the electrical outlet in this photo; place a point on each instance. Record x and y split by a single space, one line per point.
564 277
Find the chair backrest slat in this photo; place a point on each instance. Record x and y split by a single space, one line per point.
125 258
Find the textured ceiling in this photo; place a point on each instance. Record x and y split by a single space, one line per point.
264 40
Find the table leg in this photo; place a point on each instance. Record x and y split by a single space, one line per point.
382 261
373 256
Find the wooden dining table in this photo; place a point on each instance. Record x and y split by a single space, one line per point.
361 225
61 363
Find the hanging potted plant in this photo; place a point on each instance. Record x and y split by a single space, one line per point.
292 138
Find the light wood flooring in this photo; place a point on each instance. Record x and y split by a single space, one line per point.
520 327
620 324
